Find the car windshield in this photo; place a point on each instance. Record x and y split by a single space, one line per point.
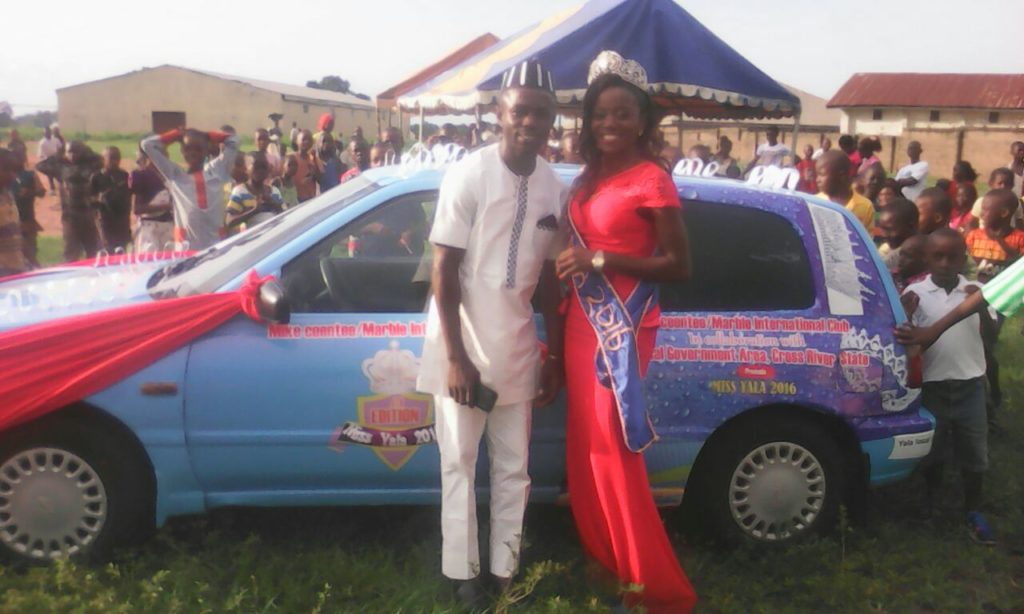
208 270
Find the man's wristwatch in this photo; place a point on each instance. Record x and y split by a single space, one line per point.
597 261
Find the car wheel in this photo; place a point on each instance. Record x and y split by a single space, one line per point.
772 482
70 488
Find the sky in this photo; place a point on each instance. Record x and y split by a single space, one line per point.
814 45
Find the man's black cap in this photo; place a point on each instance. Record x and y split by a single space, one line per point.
528 73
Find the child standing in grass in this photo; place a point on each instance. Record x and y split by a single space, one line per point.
934 206
78 215
151 202
27 188
954 372
961 217
306 174
994 248
897 223
286 182
12 260
998 244
255 200
1000 178
911 266
113 199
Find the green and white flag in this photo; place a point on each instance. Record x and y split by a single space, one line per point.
1005 293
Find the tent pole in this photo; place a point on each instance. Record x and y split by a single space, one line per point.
681 132
796 133
421 123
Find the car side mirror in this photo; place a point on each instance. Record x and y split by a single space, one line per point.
272 304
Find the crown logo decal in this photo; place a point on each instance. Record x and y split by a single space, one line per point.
392 371
611 63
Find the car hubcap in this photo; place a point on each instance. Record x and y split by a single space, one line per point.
777 491
52 503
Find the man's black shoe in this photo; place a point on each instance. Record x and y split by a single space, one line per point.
470 594
500 584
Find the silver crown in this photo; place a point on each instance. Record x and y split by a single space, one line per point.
610 62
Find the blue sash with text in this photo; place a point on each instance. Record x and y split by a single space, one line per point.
616 323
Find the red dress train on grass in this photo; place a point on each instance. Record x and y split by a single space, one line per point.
609 491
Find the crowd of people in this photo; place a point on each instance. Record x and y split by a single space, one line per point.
160 205
942 243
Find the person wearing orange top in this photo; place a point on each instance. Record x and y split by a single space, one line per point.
998 244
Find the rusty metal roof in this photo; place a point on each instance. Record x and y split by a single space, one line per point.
973 91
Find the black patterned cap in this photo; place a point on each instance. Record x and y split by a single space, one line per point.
528 73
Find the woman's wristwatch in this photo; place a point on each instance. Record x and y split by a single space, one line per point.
597 261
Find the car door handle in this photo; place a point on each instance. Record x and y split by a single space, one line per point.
159 389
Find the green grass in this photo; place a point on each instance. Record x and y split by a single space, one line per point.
387 559
51 250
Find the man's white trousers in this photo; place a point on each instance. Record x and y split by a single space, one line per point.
459 430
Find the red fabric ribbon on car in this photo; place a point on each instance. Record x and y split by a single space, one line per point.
48 365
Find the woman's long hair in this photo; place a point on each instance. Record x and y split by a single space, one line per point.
648 144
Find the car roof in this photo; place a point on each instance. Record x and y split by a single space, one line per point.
716 189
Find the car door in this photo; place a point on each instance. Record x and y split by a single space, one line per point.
747 263
279 414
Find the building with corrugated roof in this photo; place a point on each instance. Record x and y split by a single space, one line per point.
164 97
972 117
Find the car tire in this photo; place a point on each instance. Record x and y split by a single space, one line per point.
771 482
71 487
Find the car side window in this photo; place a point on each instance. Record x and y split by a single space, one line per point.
379 263
742 259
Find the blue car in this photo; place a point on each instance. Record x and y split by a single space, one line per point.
776 388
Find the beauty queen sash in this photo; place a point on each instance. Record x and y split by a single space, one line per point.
616 322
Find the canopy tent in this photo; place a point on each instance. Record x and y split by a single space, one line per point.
689 69
388 97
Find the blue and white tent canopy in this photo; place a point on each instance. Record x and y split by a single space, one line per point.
689 69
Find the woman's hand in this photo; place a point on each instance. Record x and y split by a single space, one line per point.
551 380
573 260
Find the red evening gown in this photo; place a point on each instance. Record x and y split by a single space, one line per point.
609 491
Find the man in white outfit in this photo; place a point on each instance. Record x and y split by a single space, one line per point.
499 224
913 178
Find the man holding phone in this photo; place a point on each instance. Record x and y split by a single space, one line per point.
499 225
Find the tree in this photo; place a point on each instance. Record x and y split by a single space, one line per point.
39 119
334 83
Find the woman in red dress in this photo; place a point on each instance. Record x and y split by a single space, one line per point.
628 234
